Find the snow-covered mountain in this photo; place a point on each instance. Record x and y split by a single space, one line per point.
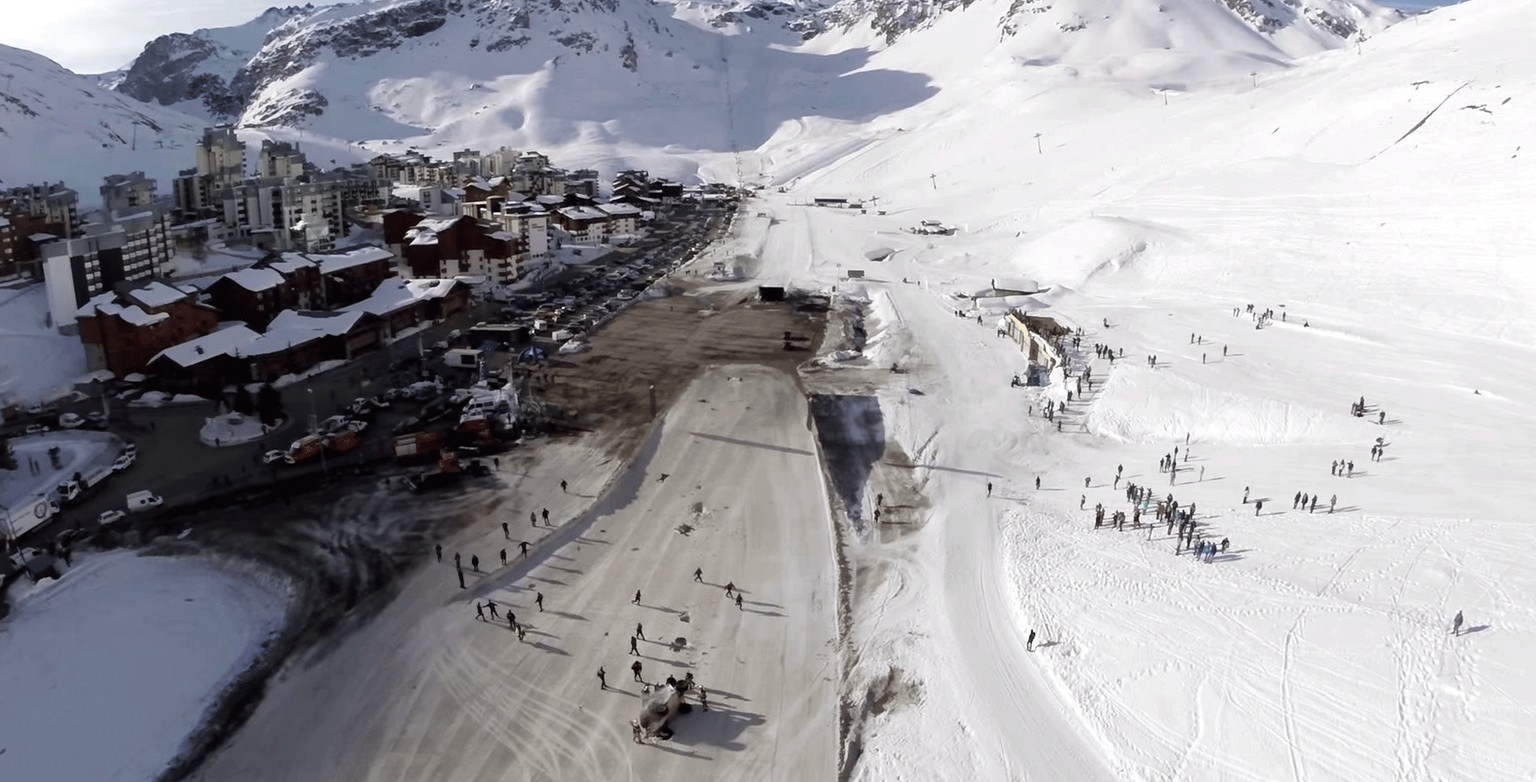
675 83
56 125
193 71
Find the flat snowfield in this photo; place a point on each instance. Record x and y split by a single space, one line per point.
1318 646
730 484
107 671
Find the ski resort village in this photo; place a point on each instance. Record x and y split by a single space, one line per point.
846 390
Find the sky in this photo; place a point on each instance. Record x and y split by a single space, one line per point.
95 36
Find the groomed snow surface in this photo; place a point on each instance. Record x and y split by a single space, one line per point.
109 669
729 484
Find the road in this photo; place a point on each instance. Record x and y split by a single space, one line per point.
425 691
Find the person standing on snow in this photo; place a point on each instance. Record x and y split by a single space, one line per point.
634 646
640 631
738 601
523 546
989 488
1029 645
1037 482
491 604
538 597
1332 501
636 599
507 533
636 668
602 678
479 611
474 562
1313 508
1258 507
439 549
698 574
503 557
545 514
533 519
1245 495
1296 501
1456 624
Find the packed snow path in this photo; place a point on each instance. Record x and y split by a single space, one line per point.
426 691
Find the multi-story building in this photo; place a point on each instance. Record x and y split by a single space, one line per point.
527 221
37 214
122 249
193 194
280 160
266 212
122 332
128 193
586 224
8 265
221 155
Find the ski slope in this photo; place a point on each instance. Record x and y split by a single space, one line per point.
1382 219
425 691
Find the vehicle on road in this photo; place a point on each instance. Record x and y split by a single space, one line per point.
96 417
143 500
304 449
76 486
36 428
71 421
125 460
109 516
273 456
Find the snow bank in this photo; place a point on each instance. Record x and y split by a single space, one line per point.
231 429
37 362
109 669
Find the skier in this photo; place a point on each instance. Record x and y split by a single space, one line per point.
698 574
439 549
1029 645
602 678
738 601
506 532
503 557
479 611
1456 624
636 599
538 597
640 631
730 588
634 646
474 562
562 487
636 668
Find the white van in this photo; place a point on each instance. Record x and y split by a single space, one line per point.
143 500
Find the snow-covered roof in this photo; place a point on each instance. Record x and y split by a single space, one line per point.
552 200
583 213
424 238
156 294
438 224
296 322
620 209
396 294
4 223
41 237
335 262
292 262
503 236
255 280
230 336
106 304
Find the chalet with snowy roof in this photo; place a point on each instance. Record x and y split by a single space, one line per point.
350 276
402 304
121 332
583 223
256 294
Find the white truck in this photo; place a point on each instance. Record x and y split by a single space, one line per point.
143 500
72 489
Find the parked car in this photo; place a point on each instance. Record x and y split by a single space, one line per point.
96 417
36 428
109 516
71 421
124 460
271 457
